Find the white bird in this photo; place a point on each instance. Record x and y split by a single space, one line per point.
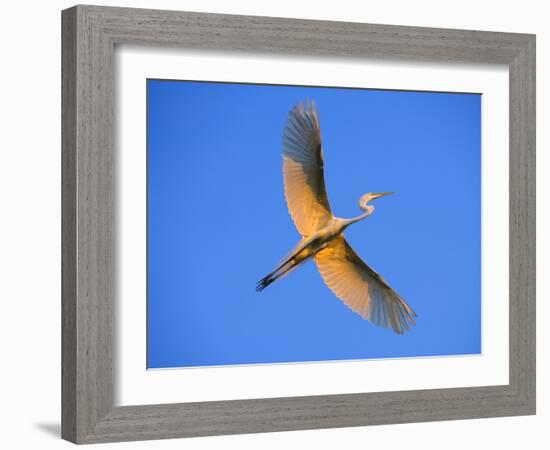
350 279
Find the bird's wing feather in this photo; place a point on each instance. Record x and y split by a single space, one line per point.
361 288
304 180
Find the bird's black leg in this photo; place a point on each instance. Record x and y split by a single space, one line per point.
270 278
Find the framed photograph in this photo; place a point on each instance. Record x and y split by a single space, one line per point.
279 224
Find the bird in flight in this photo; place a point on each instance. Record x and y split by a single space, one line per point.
343 271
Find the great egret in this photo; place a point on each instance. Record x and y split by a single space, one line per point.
350 279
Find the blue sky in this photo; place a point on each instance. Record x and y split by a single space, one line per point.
218 222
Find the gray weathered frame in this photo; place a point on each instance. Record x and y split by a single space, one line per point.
89 36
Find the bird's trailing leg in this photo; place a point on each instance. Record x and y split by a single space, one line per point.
303 251
280 271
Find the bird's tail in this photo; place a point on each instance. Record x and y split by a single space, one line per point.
279 272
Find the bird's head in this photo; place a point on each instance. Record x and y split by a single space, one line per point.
365 199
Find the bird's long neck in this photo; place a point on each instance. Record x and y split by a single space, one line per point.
368 211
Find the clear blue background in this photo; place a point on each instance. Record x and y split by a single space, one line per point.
218 222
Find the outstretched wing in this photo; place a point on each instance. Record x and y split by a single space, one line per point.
361 288
304 179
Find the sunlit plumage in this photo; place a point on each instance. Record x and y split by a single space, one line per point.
347 276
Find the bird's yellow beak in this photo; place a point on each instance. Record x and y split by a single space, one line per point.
381 194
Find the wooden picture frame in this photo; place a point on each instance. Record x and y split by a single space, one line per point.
90 34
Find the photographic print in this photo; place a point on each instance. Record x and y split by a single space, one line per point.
294 224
